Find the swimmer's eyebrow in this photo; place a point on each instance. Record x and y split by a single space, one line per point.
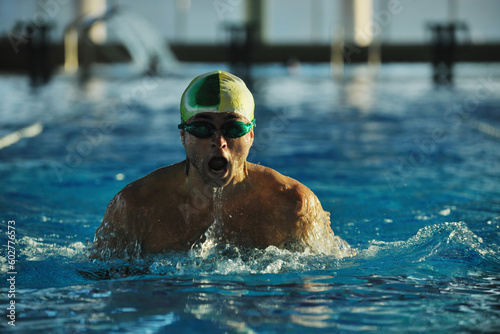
203 116
234 116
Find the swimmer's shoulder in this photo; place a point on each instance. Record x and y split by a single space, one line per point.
146 189
129 210
281 185
291 200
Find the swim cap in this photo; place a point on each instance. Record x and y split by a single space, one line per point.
217 91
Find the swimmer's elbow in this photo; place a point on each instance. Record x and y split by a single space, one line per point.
106 240
115 235
112 241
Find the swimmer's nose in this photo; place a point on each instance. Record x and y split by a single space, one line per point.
218 140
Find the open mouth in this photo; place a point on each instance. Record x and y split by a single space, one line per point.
217 164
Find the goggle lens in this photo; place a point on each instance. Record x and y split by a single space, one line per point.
233 129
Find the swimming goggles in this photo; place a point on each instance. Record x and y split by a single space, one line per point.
232 129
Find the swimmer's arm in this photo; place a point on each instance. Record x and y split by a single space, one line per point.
116 237
314 228
310 211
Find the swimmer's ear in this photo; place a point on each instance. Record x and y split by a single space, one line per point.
252 134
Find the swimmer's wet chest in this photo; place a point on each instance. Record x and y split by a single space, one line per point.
256 218
261 224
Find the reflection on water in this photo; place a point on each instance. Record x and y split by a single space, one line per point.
260 303
359 91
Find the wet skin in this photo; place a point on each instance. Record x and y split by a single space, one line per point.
172 207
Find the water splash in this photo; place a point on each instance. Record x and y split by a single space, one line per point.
445 242
321 239
218 213
433 248
213 235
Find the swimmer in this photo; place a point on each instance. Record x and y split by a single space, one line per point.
173 207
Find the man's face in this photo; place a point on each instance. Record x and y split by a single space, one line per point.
218 159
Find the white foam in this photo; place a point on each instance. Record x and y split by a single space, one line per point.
35 249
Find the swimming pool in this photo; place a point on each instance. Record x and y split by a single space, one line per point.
410 173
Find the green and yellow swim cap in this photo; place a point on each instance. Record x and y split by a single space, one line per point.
217 91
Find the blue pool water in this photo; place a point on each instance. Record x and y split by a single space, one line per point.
410 173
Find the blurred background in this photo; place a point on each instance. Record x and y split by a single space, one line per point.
40 36
388 110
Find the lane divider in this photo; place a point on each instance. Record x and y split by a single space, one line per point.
30 131
486 128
